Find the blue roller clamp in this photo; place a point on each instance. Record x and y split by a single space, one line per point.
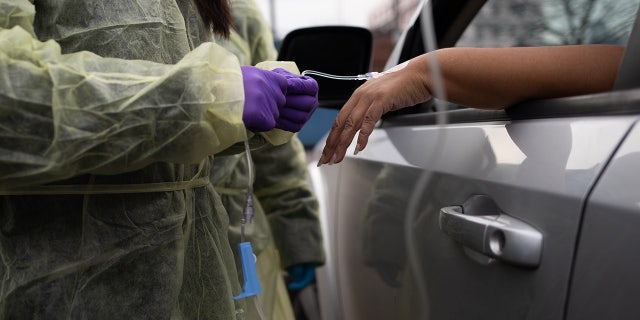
251 285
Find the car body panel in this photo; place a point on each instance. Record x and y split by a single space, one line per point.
606 284
566 168
543 184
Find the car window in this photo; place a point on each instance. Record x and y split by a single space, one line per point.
506 23
510 23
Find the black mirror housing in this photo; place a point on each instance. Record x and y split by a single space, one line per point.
340 50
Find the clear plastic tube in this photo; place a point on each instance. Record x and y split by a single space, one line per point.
258 308
248 213
365 76
413 252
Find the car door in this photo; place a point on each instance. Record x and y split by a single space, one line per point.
606 261
476 217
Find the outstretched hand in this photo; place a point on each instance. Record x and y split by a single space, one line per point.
487 78
390 91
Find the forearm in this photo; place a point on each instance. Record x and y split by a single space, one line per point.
496 78
481 78
78 113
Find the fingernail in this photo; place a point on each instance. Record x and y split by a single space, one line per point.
358 149
322 160
333 160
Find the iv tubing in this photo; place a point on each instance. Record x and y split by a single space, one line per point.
365 76
416 266
258 308
247 214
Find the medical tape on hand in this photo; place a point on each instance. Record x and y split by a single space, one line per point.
394 69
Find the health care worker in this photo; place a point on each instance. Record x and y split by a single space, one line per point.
110 112
285 232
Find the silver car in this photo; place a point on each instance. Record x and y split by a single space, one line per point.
528 213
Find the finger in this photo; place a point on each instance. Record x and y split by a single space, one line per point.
270 114
298 84
295 115
301 102
280 81
372 116
280 99
336 132
278 93
351 127
289 125
261 120
302 85
284 72
362 118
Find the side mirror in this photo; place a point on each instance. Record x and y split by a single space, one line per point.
340 50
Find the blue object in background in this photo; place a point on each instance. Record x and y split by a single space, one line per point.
300 276
317 126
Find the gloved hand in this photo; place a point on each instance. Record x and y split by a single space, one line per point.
301 101
264 96
300 275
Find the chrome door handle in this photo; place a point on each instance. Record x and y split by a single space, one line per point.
496 235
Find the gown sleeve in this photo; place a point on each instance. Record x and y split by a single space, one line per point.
67 114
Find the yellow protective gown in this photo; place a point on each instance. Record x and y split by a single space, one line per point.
110 112
284 201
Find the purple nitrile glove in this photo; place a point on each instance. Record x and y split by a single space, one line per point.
264 95
302 101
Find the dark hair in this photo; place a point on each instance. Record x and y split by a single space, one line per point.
216 14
